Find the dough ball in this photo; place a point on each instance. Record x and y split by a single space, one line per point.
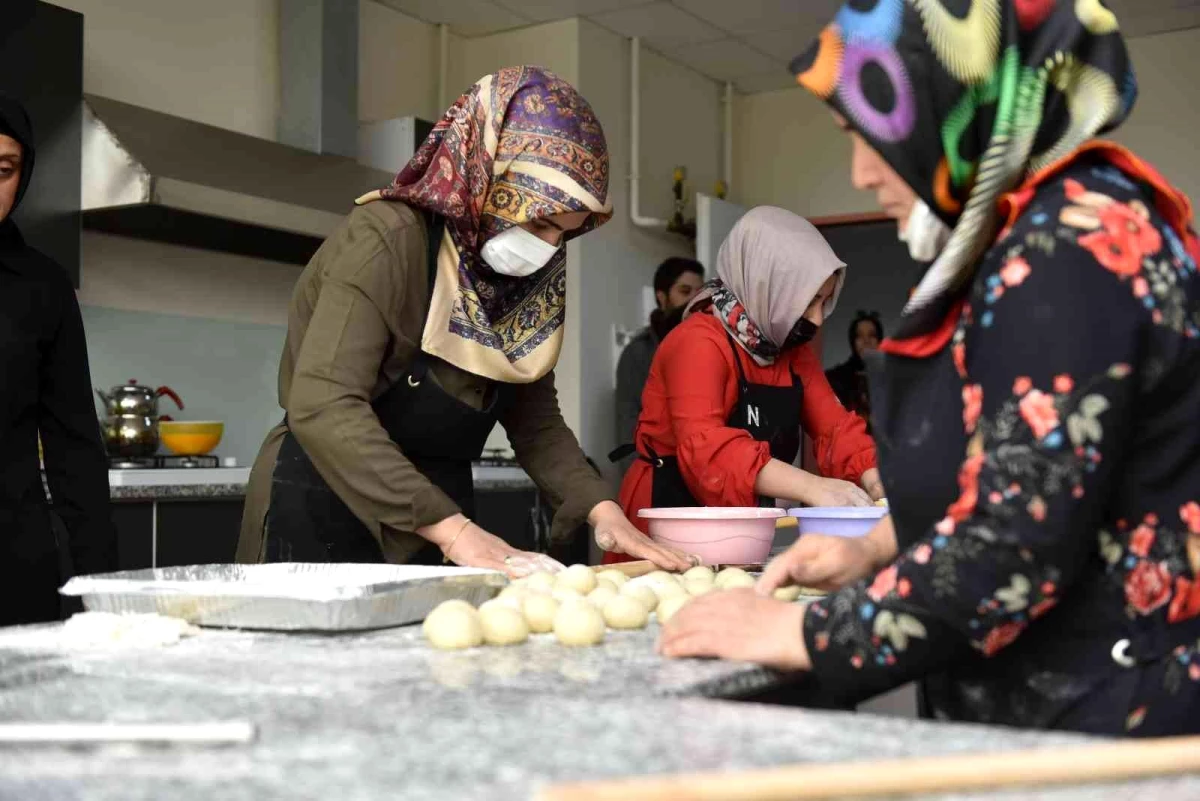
564 594
789 593
643 594
511 590
580 578
661 578
664 591
729 574
696 587
624 612
669 606
699 572
601 596
502 625
539 611
739 581
579 623
453 625
615 576
604 582
540 581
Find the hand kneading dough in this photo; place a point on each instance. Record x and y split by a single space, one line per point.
699 572
615 576
539 612
454 624
624 612
540 581
669 606
789 593
643 594
579 623
734 574
502 625
579 578
696 587
601 595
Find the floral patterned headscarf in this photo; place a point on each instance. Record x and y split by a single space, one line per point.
520 145
965 99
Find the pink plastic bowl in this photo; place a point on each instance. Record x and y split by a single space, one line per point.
719 536
837 521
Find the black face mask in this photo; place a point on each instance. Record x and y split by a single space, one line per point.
803 331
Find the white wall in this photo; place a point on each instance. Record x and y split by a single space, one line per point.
789 153
398 58
680 126
215 61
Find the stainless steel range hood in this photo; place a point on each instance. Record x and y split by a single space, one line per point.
154 176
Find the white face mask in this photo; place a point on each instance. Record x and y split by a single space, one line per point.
924 233
516 252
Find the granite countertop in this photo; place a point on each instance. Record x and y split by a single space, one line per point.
379 715
216 483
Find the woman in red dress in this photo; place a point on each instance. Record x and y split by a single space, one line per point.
731 388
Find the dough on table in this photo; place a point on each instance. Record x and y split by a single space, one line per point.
602 595
539 611
699 572
602 581
615 576
540 581
625 612
512 601
644 594
502 625
733 577
670 589
696 587
579 623
669 606
453 625
564 594
788 593
91 629
580 578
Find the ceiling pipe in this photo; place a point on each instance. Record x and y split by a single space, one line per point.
727 163
635 114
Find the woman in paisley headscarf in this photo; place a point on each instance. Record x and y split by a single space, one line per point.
433 312
1038 413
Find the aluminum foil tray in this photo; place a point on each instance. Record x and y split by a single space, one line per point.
287 596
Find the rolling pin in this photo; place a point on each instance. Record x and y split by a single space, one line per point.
1117 761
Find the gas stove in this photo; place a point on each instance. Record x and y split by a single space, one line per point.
164 462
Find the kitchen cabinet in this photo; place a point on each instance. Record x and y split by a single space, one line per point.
161 533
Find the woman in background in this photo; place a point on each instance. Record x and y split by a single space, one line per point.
849 379
736 383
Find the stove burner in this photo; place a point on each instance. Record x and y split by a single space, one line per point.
163 462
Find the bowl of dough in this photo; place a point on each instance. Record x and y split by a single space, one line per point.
718 535
837 521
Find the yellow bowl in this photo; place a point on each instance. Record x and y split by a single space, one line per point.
189 438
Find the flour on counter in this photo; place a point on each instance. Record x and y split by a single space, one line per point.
105 629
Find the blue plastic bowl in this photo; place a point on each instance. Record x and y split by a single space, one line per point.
837 521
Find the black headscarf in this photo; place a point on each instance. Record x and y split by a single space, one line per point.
852 334
965 99
14 122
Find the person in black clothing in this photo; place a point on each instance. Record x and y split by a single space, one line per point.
849 379
45 389
676 280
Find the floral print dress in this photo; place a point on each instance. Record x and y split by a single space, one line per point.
1049 579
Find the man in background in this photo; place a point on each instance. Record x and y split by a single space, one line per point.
675 282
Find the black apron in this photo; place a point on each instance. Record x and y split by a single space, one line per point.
768 413
306 520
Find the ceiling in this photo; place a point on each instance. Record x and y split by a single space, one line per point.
748 42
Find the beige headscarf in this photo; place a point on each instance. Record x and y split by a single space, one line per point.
770 267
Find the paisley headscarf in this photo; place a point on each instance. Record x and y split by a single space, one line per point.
965 99
520 145
769 269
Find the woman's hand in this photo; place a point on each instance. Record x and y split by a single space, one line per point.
872 482
738 625
830 563
834 492
466 544
615 533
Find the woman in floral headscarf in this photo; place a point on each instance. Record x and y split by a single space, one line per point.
432 313
1038 414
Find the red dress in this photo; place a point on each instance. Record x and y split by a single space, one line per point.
688 398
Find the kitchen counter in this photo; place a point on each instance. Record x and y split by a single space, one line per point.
201 483
379 715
